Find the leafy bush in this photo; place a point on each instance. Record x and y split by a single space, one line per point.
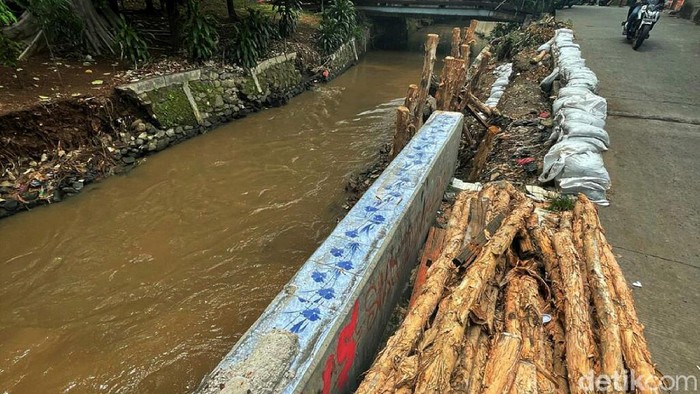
6 15
62 27
338 25
251 39
9 51
288 11
200 39
130 45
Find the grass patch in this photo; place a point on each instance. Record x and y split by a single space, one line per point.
562 203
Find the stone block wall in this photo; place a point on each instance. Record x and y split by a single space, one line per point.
189 103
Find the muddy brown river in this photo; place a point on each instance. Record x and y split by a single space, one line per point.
144 281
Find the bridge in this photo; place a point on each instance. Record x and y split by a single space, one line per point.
499 11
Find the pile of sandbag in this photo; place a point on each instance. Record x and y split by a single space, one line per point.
516 298
502 73
574 162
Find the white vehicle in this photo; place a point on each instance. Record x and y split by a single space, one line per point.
646 16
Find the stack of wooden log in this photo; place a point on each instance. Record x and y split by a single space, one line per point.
455 91
515 298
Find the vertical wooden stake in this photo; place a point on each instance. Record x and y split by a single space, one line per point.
456 41
431 44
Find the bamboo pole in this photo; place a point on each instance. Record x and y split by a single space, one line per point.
456 42
579 340
431 44
439 359
382 372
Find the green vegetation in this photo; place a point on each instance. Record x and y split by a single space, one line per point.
171 106
239 31
130 44
201 39
288 11
9 51
251 39
338 25
562 203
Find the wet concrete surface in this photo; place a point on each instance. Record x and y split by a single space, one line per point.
654 160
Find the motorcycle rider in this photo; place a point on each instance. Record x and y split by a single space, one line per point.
635 6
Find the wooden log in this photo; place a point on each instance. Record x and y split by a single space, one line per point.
525 379
524 318
579 340
460 379
401 133
431 43
482 153
484 312
383 372
526 247
502 364
635 349
456 42
472 31
431 252
479 365
465 53
479 105
476 77
538 58
449 80
555 331
546 377
608 322
441 341
411 102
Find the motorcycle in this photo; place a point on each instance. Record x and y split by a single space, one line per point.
647 15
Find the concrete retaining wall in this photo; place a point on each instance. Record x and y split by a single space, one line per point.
189 103
322 331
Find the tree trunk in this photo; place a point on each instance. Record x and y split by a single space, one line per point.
443 338
171 8
579 339
431 44
99 27
231 10
502 364
382 376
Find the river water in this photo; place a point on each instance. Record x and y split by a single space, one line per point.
144 281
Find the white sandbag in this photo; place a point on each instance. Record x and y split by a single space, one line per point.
590 187
591 103
581 130
567 91
577 115
586 165
555 159
546 84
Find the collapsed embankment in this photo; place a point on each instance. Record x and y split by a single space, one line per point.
51 151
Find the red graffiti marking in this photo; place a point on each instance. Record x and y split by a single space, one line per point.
345 351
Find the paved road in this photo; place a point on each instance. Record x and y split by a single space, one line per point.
654 161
